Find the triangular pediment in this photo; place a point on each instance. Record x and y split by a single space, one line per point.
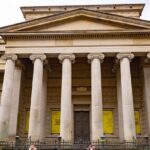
80 23
79 19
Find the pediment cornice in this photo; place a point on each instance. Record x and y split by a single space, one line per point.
123 9
75 13
76 34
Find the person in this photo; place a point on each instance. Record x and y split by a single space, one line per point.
32 147
91 147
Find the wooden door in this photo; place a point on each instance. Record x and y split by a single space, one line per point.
81 126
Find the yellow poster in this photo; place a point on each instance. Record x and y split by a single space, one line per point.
137 122
108 122
55 122
27 121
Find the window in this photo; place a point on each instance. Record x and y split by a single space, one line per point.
55 122
108 124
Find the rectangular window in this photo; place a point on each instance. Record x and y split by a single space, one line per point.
27 121
137 122
55 122
108 124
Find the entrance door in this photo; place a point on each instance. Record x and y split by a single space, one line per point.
81 126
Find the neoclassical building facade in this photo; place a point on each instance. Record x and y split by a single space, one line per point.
76 72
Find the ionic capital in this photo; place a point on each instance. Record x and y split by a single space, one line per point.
120 56
33 57
71 57
9 56
99 56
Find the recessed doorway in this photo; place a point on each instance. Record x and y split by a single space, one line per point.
81 126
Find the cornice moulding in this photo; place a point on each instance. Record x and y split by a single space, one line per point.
55 9
77 34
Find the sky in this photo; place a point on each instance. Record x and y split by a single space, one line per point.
10 12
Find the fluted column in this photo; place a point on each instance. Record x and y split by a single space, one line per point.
119 96
96 102
116 68
146 73
66 125
34 121
6 95
127 97
43 103
15 100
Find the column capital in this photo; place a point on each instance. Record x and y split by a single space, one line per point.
33 57
9 56
71 57
120 56
99 56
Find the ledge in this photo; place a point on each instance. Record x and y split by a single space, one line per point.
77 34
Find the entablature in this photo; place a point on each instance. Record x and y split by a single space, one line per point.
80 51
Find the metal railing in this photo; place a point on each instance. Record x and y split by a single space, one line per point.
81 145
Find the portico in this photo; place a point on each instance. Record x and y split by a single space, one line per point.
68 80
66 109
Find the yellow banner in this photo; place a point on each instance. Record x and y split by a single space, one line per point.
27 121
55 122
137 122
108 124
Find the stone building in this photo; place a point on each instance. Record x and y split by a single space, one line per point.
78 72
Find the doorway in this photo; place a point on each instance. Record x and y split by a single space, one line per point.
81 126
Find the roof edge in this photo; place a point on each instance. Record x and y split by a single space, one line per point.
26 10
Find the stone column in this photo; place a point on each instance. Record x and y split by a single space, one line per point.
15 101
146 73
116 68
34 121
6 97
96 102
43 105
119 100
66 131
129 132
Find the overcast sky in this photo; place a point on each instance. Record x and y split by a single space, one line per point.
10 12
